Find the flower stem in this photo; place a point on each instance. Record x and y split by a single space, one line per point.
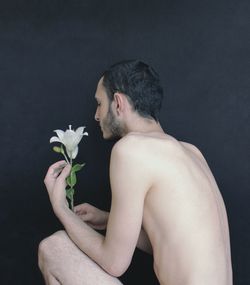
72 204
63 153
66 158
71 200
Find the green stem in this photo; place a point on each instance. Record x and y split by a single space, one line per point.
72 200
72 203
66 158
63 153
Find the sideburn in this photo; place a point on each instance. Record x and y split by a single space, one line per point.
114 126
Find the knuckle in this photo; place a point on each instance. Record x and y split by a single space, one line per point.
61 179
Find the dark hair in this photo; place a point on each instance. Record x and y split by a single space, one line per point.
139 82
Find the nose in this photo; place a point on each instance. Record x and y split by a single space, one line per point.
97 116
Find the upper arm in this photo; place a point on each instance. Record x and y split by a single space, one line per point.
129 182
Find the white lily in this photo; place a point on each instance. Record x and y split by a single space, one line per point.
70 139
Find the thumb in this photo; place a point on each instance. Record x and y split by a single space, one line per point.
86 217
65 172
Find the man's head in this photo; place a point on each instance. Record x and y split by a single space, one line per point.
131 84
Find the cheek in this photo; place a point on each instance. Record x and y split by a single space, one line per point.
103 112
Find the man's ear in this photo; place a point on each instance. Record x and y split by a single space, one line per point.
119 102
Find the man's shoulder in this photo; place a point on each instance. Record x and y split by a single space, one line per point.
127 145
128 139
142 145
137 146
130 161
134 143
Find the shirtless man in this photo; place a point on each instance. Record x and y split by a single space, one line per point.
165 199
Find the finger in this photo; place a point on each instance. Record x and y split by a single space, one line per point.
64 174
86 217
79 210
55 168
82 208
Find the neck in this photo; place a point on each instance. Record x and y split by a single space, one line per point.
143 125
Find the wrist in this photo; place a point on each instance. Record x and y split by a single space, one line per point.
60 210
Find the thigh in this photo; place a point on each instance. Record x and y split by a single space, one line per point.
71 266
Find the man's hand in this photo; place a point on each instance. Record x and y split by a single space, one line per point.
94 217
56 184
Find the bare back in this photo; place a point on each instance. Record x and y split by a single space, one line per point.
184 215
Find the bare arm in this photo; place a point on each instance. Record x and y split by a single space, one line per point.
114 251
98 219
94 217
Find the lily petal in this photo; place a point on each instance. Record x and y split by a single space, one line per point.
74 153
77 139
80 130
60 134
69 140
54 139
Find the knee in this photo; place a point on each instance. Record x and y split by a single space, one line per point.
48 246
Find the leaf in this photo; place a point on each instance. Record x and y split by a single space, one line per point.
71 179
77 167
70 193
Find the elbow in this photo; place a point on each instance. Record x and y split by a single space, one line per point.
117 269
116 272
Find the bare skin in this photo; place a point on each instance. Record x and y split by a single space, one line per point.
184 215
165 200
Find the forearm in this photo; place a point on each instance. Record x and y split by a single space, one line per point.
143 242
87 239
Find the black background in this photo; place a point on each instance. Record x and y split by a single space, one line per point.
52 54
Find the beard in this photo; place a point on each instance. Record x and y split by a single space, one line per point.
112 126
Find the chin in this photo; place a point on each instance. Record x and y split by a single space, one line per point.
107 137
110 137
104 136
